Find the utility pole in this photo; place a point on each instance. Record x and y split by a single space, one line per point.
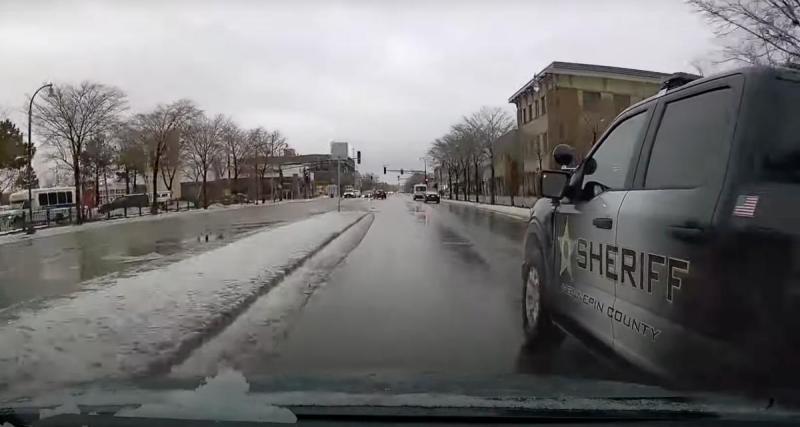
29 171
338 187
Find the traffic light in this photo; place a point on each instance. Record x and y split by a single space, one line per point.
401 171
384 170
358 156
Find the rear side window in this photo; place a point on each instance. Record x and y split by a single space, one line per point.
42 199
692 142
52 199
781 151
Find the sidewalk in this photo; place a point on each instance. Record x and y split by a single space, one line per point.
511 211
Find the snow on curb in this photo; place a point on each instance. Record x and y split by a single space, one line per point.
143 324
512 211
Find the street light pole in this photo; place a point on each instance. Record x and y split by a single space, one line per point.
31 230
338 187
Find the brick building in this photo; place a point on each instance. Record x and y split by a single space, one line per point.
573 104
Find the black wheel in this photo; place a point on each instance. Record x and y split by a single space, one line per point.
537 322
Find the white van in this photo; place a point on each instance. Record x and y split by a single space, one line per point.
419 191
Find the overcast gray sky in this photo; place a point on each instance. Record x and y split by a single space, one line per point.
387 76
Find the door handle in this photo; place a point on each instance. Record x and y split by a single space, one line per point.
604 223
689 233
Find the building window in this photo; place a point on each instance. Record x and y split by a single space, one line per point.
591 100
544 105
621 102
537 108
530 112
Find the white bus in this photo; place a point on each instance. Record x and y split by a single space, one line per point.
57 200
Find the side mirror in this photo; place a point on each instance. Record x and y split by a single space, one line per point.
564 155
590 166
554 184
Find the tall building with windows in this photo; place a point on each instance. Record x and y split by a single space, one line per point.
573 104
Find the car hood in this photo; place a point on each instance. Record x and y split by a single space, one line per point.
231 396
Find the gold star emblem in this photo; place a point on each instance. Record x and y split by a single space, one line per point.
565 244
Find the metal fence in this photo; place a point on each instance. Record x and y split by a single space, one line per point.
171 206
64 216
40 218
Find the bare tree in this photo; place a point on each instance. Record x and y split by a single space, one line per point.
488 125
512 177
261 151
131 158
156 129
171 160
757 31
237 147
203 145
469 153
71 116
96 158
278 145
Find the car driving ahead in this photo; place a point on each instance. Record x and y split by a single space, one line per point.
675 243
432 196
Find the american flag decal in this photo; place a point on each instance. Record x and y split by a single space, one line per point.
745 206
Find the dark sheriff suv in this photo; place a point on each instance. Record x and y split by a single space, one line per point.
675 243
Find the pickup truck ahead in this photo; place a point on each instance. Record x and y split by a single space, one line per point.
675 243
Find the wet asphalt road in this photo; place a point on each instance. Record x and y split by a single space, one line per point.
59 264
429 289
422 288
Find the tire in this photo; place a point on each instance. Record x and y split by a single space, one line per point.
537 323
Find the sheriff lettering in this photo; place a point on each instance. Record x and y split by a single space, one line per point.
644 271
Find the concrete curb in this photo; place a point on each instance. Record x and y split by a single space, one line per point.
217 325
